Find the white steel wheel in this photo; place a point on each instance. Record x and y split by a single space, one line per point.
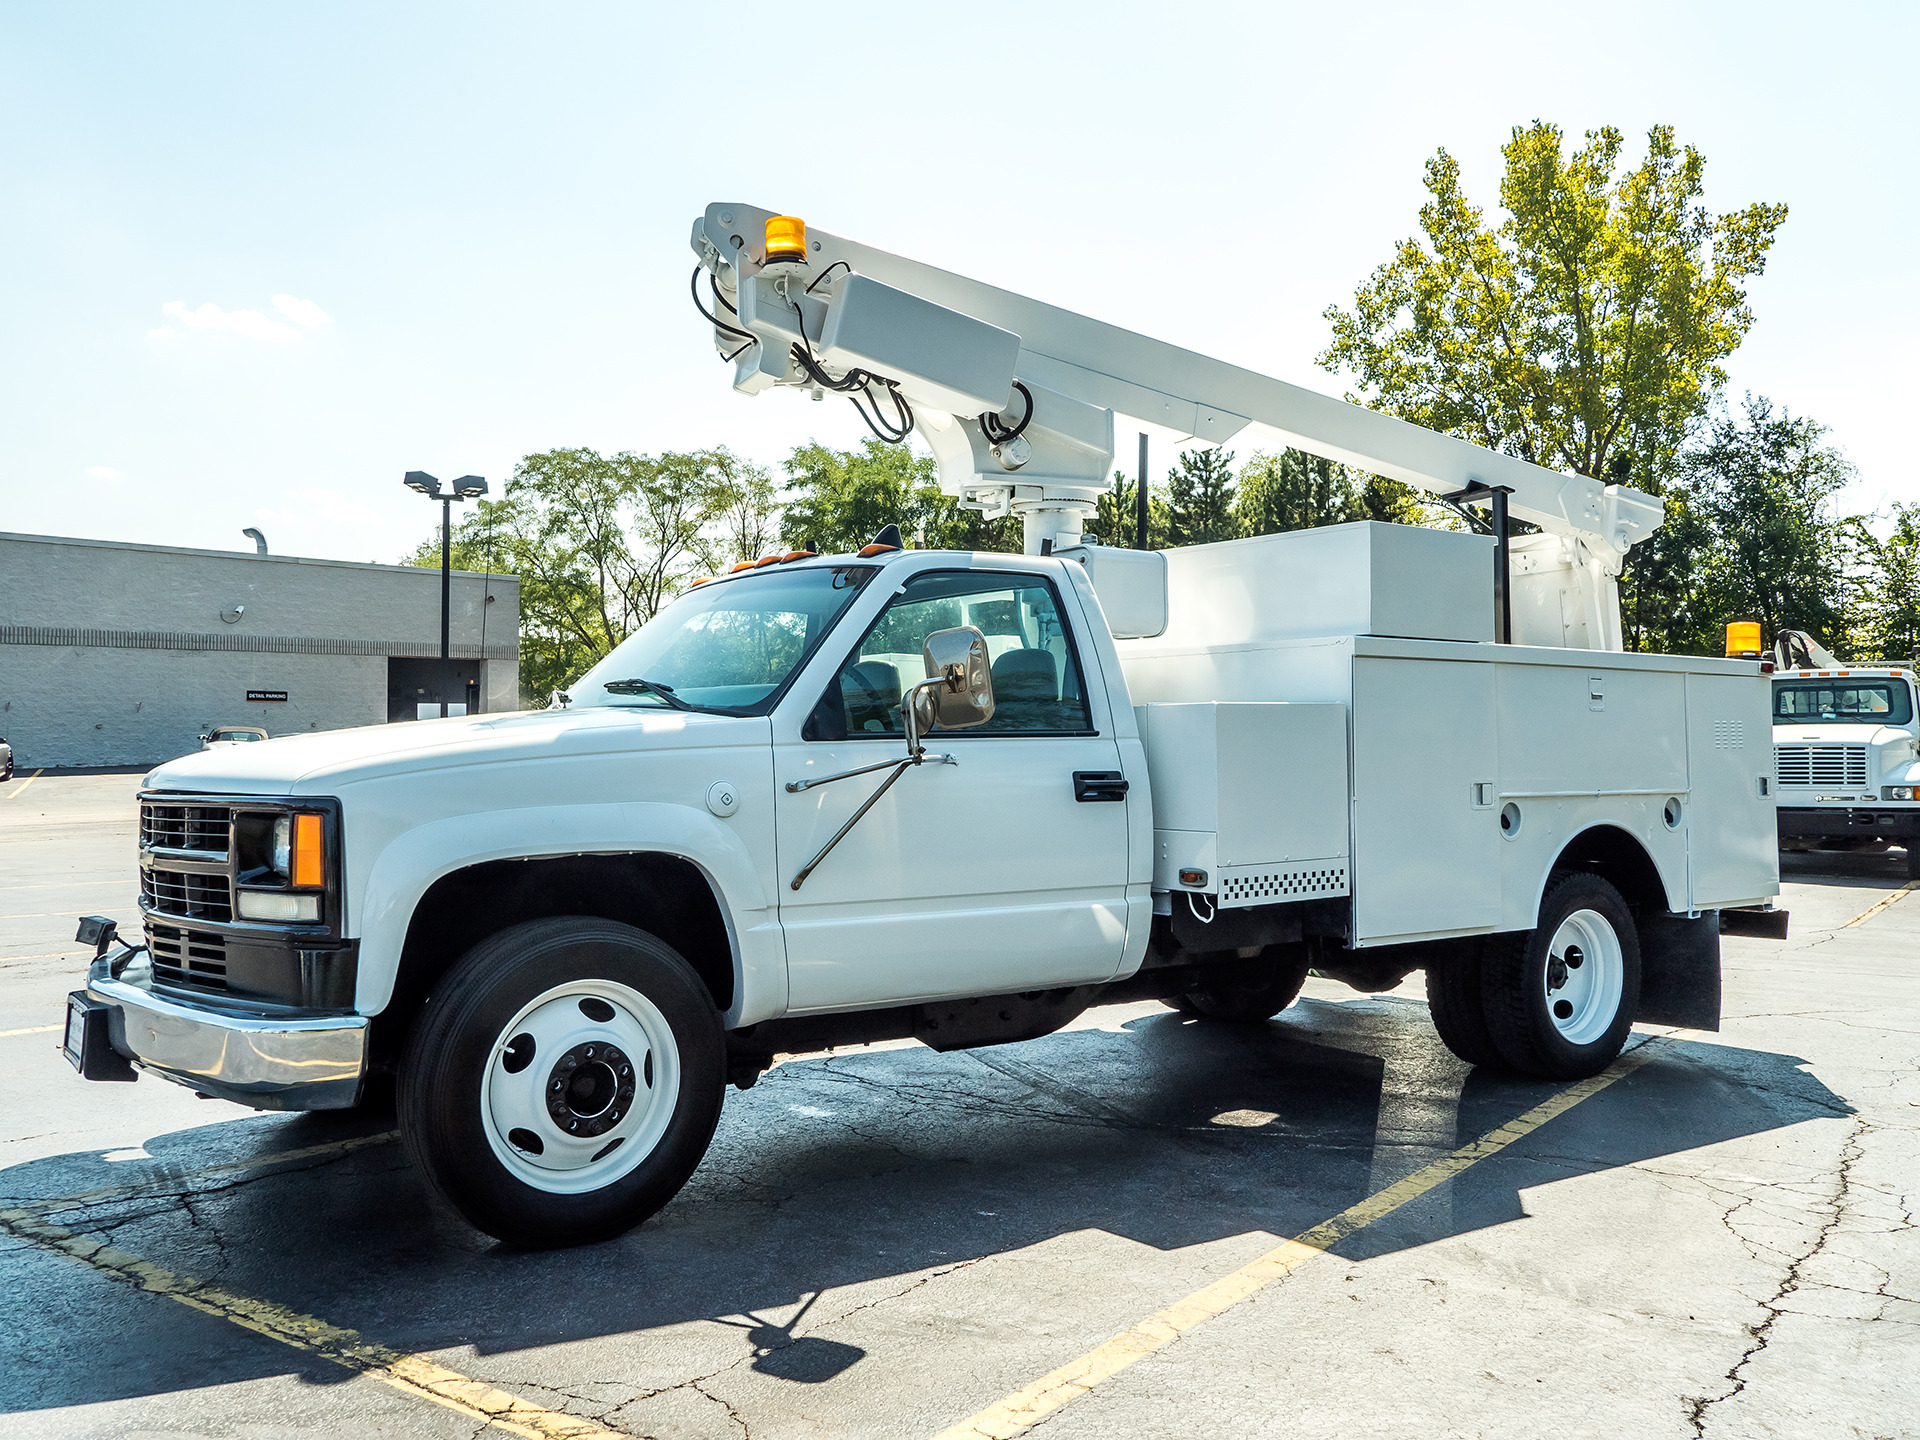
580 1086
1584 976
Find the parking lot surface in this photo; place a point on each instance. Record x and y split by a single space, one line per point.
1144 1225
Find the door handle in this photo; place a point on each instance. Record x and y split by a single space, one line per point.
1092 786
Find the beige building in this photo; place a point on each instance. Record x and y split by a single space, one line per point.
115 654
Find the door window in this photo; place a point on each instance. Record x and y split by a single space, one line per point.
1037 688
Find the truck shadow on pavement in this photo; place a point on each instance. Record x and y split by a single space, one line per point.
847 1170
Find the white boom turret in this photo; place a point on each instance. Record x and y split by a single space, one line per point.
1016 398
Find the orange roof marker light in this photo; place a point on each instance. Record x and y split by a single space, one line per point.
798 555
769 560
703 580
786 238
887 539
743 565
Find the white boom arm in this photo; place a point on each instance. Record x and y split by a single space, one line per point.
964 356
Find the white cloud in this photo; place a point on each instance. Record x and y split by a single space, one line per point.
250 323
102 472
301 312
163 333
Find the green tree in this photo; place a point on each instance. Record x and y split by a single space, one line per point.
838 500
1116 520
1295 491
1887 621
1764 485
1584 332
1200 498
599 543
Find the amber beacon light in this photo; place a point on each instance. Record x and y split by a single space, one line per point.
1743 640
786 238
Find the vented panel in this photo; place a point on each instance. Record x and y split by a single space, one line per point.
191 897
1829 767
1278 884
192 958
185 827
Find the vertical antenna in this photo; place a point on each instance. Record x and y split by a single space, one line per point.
1140 498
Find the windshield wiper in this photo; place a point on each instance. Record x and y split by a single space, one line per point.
638 686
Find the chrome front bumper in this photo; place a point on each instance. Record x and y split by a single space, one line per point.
268 1061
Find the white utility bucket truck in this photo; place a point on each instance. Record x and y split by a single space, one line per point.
1846 749
961 797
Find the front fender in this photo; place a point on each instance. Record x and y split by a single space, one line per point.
409 865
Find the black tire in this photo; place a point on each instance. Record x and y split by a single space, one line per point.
450 1057
1249 990
1182 1002
1453 999
1913 860
1515 976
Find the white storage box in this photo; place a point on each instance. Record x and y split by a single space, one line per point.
1251 795
1366 578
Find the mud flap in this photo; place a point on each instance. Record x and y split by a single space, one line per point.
1680 971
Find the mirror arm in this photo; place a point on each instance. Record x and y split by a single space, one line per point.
900 767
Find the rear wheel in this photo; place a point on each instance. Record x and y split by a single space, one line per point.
563 1081
1559 999
1453 999
1913 857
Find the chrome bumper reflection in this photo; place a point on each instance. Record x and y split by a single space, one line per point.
270 1062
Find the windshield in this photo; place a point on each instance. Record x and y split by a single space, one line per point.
727 647
1842 702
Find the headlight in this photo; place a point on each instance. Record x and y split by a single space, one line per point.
1896 792
283 846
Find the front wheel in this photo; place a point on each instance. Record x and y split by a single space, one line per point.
1559 999
1248 990
563 1081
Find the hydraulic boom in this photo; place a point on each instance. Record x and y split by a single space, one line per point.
1016 398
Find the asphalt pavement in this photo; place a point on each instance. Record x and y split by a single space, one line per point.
1144 1225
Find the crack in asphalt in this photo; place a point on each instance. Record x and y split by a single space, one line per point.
1761 1335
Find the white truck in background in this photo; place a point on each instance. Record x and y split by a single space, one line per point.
1846 749
961 797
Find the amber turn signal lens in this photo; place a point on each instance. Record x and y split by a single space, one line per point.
786 238
309 852
1193 877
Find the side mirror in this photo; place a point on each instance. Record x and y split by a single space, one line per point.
958 691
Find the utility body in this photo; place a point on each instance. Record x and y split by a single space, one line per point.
960 797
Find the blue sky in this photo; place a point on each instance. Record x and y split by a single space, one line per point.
475 217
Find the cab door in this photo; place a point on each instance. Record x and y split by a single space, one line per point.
1003 871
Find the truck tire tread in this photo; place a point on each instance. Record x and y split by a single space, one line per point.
1453 999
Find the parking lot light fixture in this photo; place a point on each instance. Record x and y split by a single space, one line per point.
467 487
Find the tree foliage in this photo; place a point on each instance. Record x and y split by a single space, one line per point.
1587 327
1886 624
1200 496
600 543
839 499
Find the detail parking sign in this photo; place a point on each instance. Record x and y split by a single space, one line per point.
266 697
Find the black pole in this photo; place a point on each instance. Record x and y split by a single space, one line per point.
1502 588
1140 498
446 598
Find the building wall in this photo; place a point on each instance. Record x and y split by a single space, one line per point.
114 654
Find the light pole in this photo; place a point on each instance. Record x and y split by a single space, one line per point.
467 487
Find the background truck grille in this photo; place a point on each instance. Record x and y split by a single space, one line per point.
185 827
1837 767
187 957
191 897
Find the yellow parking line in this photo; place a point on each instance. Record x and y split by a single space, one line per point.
1878 906
15 794
412 1374
1025 1408
29 1030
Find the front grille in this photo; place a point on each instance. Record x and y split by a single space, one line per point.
185 827
1834 767
191 897
188 957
